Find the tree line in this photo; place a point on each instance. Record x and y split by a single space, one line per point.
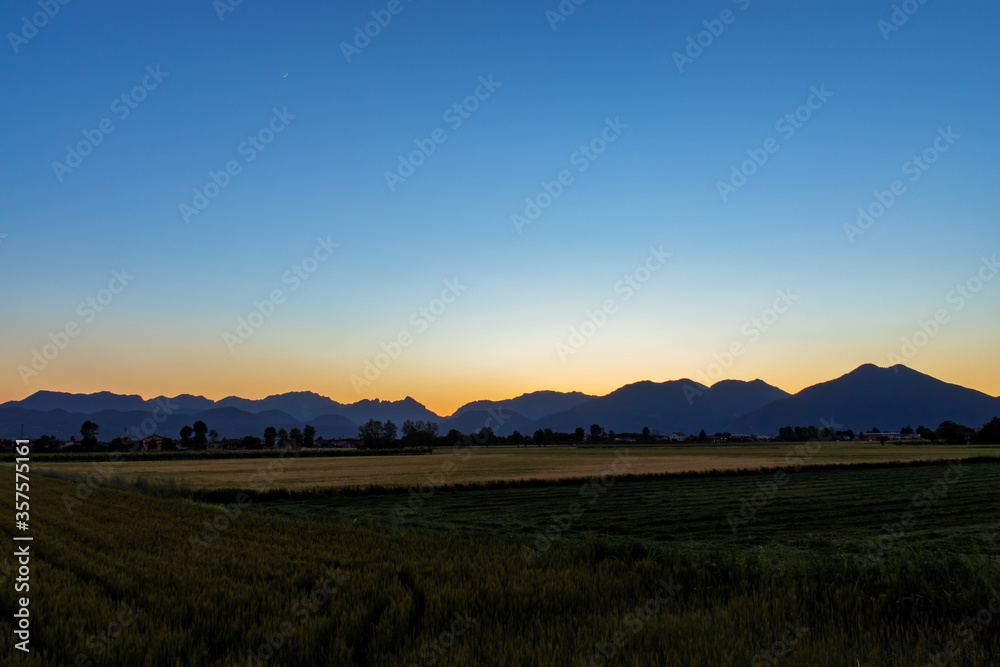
375 434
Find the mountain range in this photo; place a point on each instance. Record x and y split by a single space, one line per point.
866 398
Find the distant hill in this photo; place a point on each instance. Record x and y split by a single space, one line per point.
184 403
80 403
532 406
397 411
677 405
471 421
867 397
301 405
870 397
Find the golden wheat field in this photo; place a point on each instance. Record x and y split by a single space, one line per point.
463 466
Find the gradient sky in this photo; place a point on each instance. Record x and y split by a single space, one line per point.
655 186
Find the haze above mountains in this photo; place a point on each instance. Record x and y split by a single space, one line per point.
867 397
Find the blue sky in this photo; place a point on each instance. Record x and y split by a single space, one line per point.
656 185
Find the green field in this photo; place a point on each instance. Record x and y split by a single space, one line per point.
864 565
467 466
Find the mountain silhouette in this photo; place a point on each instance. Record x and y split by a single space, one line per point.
675 406
873 397
471 421
532 406
865 398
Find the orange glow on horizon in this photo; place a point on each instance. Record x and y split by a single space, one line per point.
445 395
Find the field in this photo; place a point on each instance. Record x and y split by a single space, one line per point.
876 564
503 463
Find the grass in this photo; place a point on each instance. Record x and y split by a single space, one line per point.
817 510
488 464
650 573
212 454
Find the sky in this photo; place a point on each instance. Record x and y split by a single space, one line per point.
472 200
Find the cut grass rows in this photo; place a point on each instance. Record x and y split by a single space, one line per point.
400 592
828 508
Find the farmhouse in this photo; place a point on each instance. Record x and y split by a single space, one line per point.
152 443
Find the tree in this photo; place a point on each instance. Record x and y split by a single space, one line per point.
309 435
46 443
517 439
485 436
989 434
702 436
953 433
282 437
250 442
186 432
925 433
200 434
596 432
89 432
370 434
295 437
374 434
579 435
213 435
270 433
538 437
645 434
419 433
906 430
